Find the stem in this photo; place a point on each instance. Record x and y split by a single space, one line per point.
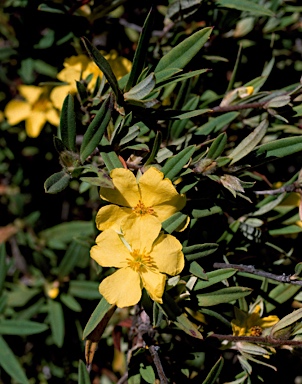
156 360
290 279
258 339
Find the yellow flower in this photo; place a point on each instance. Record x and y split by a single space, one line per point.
251 324
150 200
36 109
143 259
80 67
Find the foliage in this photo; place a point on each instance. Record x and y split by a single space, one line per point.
178 154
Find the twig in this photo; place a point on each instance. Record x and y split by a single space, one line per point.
238 107
286 188
290 279
123 379
258 339
156 360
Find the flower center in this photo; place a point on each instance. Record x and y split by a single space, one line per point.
141 210
256 330
139 261
42 105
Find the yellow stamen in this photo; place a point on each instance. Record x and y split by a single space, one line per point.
139 261
140 209
256 330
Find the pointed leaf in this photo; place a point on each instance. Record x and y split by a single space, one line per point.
197 251
21 327
286 321
141 51
97 315
217 146
83 375
246 5
183 53
280 148
95 130
249 143
56 319
216 123
142 89
175 164
225 295
67 127
187 326
214 372
10 364
104 66
214 277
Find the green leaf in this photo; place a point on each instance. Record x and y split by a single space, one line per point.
184 52
83 375
217 146
163 80
70 302
109 156
21 327
104 66
74 253
57 182
214 277
216 123
280 148
249 143
288 230
147 373
95 130
155 148
84 289
214 373
97 315
278 101
175 164
199 213
67 129
56 320
280 294
10 364
246 5
175 222
178 126
187 326
197 270
225 295
286 321
197 251
142 89
141 51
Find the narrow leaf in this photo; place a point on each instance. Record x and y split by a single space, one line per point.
142 89
10 364
214 372
56 319
174 222
175 164
67 127
280 148
217 146
95 130
3 268
21 327
197 251
214 277
97 315
246 5
187 326
83 375
225 295
184 52
249 143
286 321
216 123
104 66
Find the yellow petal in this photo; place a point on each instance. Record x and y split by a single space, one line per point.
123 288
154 282
69 75
109 250
160 194
59 93
53 117
167 254
34 123
30 92
79 62
126 191
110 216
141 231
17 111
267 322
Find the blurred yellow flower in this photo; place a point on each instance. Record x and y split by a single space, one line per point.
36 109
143 259
80 67
250 323
152 199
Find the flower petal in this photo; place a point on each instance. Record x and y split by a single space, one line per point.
126 191
154 282
53 117
30 92
267 322
160 194
123 288
109 250
141 231
34 123
17 111
59 93
167 255
110 216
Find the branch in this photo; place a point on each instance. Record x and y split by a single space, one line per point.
229 108
294 187
290 279
156 360
258 339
